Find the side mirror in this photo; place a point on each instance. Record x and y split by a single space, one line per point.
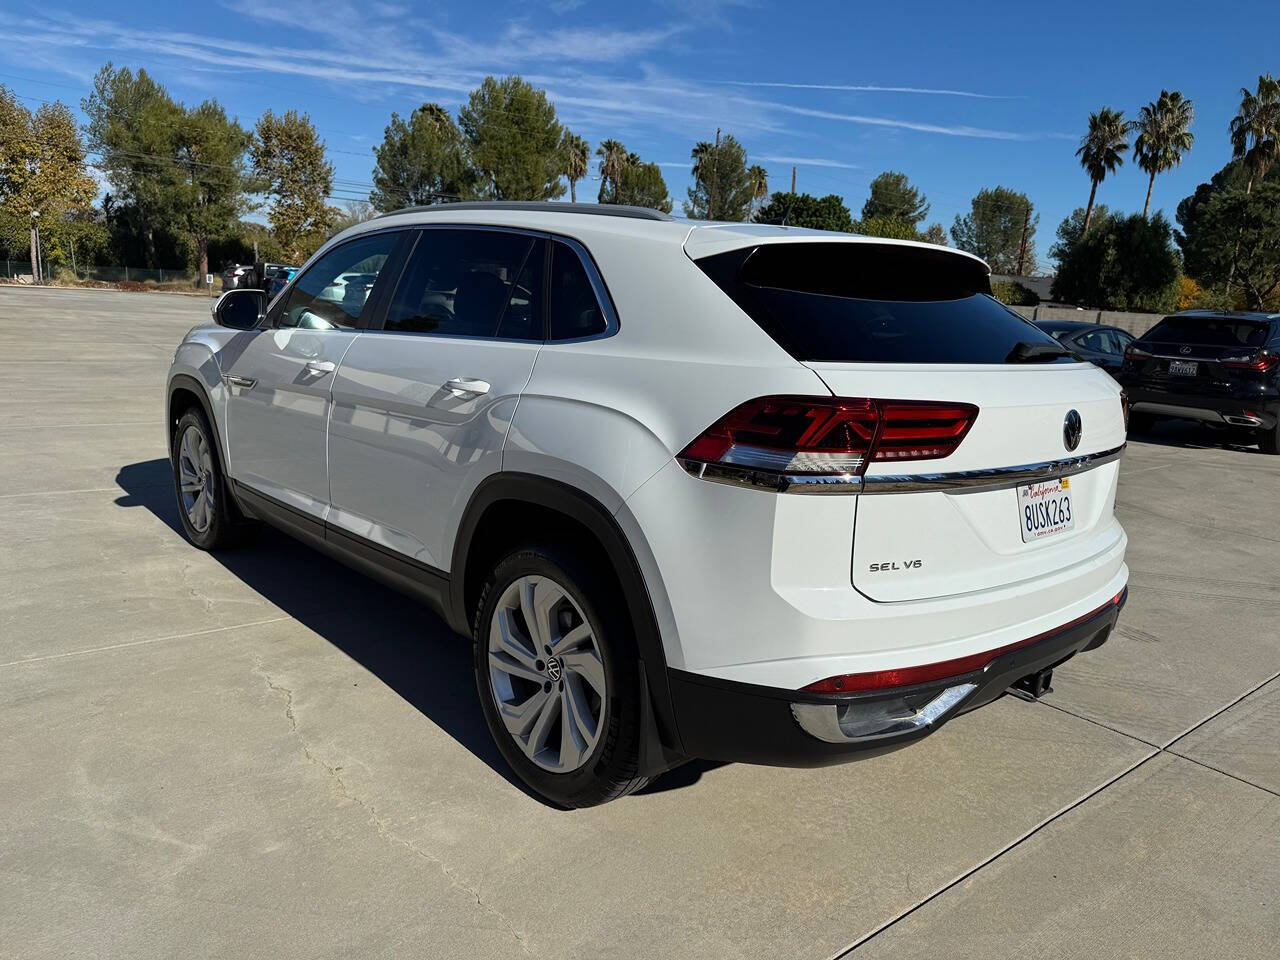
240 309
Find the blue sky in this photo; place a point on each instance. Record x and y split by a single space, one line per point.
958 96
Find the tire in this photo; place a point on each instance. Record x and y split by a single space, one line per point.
209 517
528 696
1269 440
1140 423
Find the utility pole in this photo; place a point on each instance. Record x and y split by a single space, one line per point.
793 181
1022 247
35 247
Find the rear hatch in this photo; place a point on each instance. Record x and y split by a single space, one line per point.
1200 355
905 323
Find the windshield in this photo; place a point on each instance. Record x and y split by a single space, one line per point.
855 303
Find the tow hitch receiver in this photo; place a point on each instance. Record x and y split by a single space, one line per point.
1033 686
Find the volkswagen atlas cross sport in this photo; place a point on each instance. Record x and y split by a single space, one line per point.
1221 369
737 492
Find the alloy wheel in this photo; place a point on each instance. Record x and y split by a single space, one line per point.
547 674
195 478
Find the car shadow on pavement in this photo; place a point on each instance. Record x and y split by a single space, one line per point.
399 640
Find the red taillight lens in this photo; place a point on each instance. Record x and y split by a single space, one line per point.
831 435
1135 353
1261 362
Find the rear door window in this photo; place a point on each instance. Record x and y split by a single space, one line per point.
878 303
1209 331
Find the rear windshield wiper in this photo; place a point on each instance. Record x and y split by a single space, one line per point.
1025 352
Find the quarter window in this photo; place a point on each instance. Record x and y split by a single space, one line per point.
334 291
575 311
471 283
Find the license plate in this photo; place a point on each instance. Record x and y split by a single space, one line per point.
1183 368
1045 509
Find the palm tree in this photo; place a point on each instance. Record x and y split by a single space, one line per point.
1164 135
613 156
706 160
1255 130
758 179
577 156
1102 151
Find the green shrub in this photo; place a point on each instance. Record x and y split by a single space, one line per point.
1014 294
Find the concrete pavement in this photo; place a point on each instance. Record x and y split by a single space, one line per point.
263 754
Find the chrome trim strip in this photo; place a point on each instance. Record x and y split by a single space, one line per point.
958 482
823 720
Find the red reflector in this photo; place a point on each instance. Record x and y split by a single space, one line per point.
831 435
925 673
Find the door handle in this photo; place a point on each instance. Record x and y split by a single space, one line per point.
466 386
320 367
247 383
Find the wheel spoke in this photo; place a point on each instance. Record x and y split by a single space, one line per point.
204 508
505 637
576 707
188 447
587 665
509 665
191 486
520 717
571 745
528 593
537 740
571 639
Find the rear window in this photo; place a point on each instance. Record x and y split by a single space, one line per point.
1211 331
858 303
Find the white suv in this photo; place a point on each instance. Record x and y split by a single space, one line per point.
730 491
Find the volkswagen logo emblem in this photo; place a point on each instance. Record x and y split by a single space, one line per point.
1185 350
553 668
1072 428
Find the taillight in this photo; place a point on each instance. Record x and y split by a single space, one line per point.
1136 353
830 435
1260 362
1124 408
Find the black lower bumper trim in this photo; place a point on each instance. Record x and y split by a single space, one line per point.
746 723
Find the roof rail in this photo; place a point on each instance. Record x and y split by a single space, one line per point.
542 206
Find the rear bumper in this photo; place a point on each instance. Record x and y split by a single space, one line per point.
747 723
1235 410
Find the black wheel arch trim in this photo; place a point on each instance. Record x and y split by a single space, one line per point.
661 747
194 386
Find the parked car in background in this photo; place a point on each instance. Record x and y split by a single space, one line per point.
275 276
623 454
1222 369
238 276
1099 344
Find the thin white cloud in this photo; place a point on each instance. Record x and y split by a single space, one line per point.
868 88
948 130
809 162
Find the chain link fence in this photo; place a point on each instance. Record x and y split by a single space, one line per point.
105 273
